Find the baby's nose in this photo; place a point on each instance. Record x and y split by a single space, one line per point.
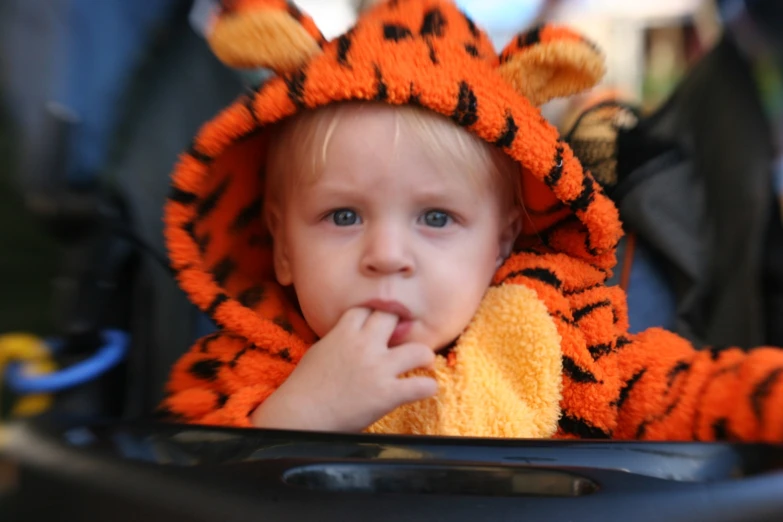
387 252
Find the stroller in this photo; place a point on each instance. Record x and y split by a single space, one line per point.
123 322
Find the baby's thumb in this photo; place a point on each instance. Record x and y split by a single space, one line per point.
352 320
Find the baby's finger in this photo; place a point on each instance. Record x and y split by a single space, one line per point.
353 319
380 325
411 356
412 389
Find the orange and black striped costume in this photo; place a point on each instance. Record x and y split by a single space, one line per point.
561 341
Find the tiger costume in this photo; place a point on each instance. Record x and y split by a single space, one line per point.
548 353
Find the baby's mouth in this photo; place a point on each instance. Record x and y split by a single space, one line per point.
405 318
401 332
391 307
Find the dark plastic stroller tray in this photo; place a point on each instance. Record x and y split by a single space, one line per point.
185 473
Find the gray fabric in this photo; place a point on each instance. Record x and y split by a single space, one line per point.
182 89
708 213
28 257
773 285
666 205
28 260
29 32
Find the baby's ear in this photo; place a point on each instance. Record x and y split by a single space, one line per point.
551 62
273 34
281 259
509 234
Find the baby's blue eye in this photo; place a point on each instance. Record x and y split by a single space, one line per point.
344 217
436 219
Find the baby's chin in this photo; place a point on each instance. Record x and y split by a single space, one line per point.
436 346
446 347
419 332
440 347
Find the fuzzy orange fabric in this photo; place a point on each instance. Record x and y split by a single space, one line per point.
426 52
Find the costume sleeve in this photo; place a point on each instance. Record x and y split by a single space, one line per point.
672 391
221 380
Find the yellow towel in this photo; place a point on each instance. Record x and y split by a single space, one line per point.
504 380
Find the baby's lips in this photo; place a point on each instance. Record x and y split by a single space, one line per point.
390 307
400 332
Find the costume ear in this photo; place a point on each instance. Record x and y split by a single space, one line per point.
272 34
550 62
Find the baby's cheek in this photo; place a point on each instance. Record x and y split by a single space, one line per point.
468 293
317 306
318 317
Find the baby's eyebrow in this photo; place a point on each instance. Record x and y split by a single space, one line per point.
447 191
332 188
441 196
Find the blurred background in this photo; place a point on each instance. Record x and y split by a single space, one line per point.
97 98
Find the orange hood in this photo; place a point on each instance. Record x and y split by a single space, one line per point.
423 52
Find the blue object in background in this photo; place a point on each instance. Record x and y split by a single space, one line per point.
777 177
82 55
502 18
651 300
114 350
101 48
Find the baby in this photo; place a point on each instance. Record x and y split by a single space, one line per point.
393 240
389 223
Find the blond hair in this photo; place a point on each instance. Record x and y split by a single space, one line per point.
298 150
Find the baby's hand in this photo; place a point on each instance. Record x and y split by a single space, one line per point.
350 378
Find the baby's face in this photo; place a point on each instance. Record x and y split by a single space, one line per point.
386 228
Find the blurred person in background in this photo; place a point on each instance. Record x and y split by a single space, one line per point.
62 63
696 181
128 83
